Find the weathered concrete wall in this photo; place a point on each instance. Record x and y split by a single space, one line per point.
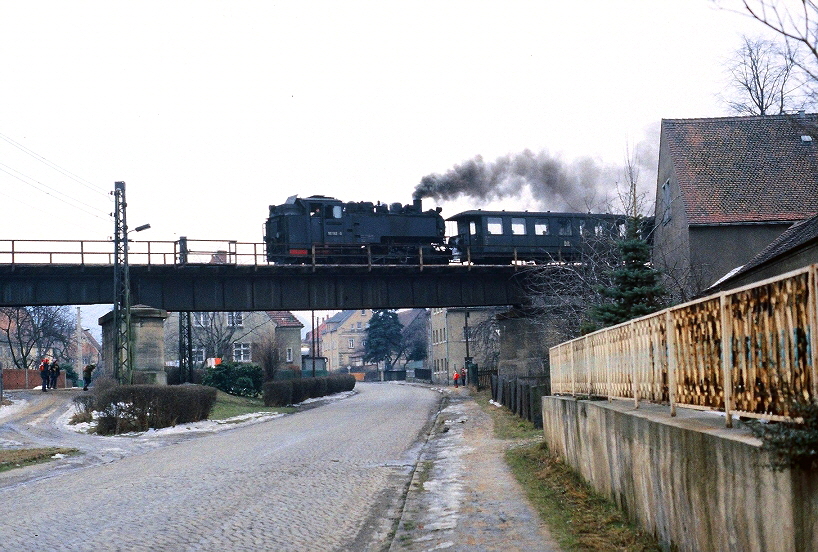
523 351
687 479
147 330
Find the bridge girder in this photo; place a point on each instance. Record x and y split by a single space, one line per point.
251 288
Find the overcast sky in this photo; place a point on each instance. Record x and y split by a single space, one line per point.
211 111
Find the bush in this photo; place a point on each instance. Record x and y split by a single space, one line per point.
244 380
791 444
294 391
125 408
175 378
84 404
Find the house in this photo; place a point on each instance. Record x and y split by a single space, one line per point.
449 345
238 336
726 188
796 248
341 339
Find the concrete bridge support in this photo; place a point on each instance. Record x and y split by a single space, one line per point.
148 347
523 349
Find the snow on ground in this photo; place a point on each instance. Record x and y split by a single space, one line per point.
203 426
15 407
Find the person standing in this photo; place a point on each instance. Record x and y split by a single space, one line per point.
55 374
463 377
456 378
86 375
45 373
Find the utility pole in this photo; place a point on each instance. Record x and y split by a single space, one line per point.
122 360
185 328
78 339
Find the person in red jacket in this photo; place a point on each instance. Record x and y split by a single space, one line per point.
456 378
45 373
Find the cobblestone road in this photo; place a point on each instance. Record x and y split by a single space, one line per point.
329 478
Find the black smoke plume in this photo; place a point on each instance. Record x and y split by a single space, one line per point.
581 185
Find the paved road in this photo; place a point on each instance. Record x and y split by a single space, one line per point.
330 478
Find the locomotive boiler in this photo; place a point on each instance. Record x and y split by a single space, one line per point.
326 230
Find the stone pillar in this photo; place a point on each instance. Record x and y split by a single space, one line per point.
523 348
147 348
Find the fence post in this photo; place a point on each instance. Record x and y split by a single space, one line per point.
573 374
670 337
726 358
635 371
812 313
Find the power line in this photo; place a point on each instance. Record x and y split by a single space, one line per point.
68 199
56 167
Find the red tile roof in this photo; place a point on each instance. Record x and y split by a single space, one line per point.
745 169
284 319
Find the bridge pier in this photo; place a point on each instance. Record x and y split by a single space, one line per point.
148 347
523 347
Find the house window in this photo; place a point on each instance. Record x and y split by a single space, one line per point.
235 319
197 354
495 226
201 319
518 226
289 354
359 325
351 343
241 352
363 311
540 228
666 200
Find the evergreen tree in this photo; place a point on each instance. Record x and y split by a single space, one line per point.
383 338
636 289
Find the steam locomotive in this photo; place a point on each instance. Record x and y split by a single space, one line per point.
325 230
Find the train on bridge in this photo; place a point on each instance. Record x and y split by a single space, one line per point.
321 229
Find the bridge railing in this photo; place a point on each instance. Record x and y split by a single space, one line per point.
678 356
101 252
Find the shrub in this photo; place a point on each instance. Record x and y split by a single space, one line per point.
127 408
791 444
244 380
84 404
287 392
278 393
175 378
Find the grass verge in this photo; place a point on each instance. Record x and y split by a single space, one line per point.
10 459
577 517
228 406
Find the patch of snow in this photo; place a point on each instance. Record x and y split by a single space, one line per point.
58 456
13 408
495 403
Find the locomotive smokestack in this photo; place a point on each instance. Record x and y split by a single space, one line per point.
418 204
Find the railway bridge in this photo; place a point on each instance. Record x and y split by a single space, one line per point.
232 276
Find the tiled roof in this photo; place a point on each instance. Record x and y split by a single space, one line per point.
284 319
745 169
797 235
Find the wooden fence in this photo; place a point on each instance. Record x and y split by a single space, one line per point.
522 395
676 356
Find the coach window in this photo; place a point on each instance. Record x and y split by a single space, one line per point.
518 226
495 225
472 228
540 228
564 227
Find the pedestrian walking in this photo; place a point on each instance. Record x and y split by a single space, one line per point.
55 374
45 373
456 379
86 375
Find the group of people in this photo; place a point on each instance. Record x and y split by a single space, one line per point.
460 377
50 373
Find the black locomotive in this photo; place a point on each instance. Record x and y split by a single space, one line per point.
325 230
322 229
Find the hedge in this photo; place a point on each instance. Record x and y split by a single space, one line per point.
125 408
294 391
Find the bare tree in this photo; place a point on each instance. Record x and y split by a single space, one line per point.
485 336
764 78
33 332
796 21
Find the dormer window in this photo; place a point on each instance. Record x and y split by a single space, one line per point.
806 138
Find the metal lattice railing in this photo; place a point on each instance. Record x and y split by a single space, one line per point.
678 355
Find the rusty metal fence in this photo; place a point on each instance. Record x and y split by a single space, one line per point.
678 356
